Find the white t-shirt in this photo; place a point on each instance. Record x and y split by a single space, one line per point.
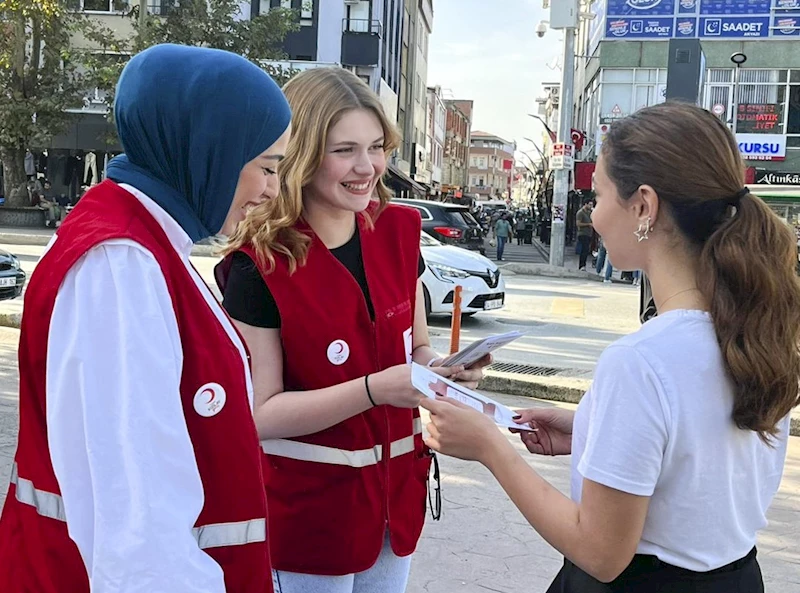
657 422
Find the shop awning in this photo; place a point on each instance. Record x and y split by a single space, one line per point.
404 180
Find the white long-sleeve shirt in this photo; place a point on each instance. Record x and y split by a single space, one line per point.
116 431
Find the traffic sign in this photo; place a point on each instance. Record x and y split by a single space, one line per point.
562 156
718 109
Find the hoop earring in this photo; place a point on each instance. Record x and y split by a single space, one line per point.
642 233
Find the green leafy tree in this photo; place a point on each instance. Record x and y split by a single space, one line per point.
205 23
40 79
51 56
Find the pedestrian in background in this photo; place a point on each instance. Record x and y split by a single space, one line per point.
583 222
323 283
679 446
502 232
520 231
137 468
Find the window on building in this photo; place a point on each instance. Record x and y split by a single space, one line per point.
101 5
480 182
626 90
763 99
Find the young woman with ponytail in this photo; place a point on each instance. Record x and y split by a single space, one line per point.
678 448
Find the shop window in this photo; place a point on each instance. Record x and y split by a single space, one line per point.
617 75
793 119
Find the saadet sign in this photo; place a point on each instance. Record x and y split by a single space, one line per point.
762 147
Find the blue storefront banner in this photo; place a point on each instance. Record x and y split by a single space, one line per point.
786 25
726 27
732 7
628 28
640 7
686 27
706 19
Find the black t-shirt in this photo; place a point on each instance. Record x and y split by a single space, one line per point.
247 298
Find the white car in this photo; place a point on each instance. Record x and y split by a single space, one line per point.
482 285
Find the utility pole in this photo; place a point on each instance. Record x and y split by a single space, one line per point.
564 15
561 181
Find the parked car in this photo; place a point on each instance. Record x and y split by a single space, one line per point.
482 285
452 224
12 278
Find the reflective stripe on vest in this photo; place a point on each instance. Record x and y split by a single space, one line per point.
46 504
214 535
321 454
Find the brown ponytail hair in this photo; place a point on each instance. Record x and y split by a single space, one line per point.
747 255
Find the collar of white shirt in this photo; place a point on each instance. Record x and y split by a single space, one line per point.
176 235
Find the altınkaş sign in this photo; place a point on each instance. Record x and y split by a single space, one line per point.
777 178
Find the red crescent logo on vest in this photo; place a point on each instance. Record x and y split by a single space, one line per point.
338 352
209 400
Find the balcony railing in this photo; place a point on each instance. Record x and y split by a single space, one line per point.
373 27
361 42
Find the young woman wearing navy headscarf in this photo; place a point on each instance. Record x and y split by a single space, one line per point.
138 467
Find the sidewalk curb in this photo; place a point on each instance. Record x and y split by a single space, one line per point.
41 240
548 271
559 390
12 320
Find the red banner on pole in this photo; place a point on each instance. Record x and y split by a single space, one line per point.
508 164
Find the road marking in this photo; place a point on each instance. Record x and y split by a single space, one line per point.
568 307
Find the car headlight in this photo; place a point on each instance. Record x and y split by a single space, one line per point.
447 273
15 263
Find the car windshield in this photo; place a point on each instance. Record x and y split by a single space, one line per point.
426 240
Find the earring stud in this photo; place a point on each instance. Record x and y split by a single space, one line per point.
642 233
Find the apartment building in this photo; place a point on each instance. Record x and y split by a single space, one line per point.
491 165
435 137
458 125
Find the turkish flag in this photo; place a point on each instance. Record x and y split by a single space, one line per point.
578 139
508 164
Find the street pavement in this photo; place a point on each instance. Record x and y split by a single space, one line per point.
568 322
482 543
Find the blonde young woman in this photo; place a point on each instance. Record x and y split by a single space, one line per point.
679 446
323 283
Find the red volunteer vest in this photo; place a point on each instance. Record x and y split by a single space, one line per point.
36 552
333 494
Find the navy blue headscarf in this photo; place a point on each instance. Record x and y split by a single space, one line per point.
189 119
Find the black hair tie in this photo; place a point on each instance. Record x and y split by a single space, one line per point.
737 197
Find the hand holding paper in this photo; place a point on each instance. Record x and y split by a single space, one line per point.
431 385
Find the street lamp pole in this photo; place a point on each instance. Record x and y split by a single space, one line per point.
738 58
561 181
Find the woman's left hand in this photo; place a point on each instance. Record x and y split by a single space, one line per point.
471 376
457 430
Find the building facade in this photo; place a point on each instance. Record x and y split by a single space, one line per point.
491 166
435 136
385 43
458 126
625 57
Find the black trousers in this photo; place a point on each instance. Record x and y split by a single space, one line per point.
585 242
647 574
